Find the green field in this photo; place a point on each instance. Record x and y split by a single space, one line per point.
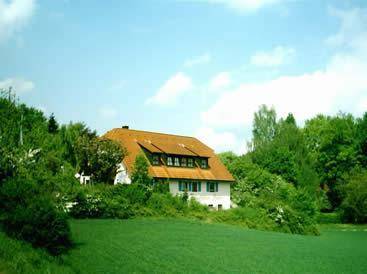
178 246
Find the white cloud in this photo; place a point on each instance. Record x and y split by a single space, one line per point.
340 85
220 81
14 14
19 85
220 141
171 90
108 112
353 29
243 5
198 60
276 57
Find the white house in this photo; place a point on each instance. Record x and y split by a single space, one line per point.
184 162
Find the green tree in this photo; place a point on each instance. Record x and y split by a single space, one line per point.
69 135
140 174
334 146
362 138
287 155
53 126
227 157
354 205
264 126
99 158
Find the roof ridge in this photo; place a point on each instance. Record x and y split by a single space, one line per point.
161 133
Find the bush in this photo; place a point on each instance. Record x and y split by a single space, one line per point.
245 216
354 205
30 215
167 205
86 205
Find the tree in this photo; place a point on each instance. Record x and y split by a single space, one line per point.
227 157
290 119
264 126
99 158
53 126
140 174
69 135
354 205
286 155
334 146
362 138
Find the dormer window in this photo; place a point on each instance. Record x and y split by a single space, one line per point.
184 162
155 160
177 161
169 161
190 162
204 163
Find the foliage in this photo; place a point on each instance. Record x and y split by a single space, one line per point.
287 155
354 206
333 144
53 126
17 257
140 174
264 126
32 216
227 157
99 158
362 138
288 208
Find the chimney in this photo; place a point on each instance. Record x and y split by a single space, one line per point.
125 127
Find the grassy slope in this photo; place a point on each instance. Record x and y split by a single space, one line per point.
19 257
179 246
162 246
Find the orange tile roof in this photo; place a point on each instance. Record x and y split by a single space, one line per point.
134 140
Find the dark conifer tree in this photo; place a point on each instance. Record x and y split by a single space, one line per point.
53 126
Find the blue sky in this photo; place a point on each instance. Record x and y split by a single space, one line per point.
191 67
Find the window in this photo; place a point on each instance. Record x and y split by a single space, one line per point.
169 161
204 163
177 161
155 160
189 186
183 186
190 162
183 162
196 187
211 187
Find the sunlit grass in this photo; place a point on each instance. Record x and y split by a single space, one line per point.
177 246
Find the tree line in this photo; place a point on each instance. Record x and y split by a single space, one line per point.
326 157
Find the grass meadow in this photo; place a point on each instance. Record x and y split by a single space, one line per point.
181 246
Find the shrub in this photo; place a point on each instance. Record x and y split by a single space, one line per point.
136 193
354 205
245 216
86 205
167 205
33 217
41 224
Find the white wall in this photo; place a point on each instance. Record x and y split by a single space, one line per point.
222 197
122 177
